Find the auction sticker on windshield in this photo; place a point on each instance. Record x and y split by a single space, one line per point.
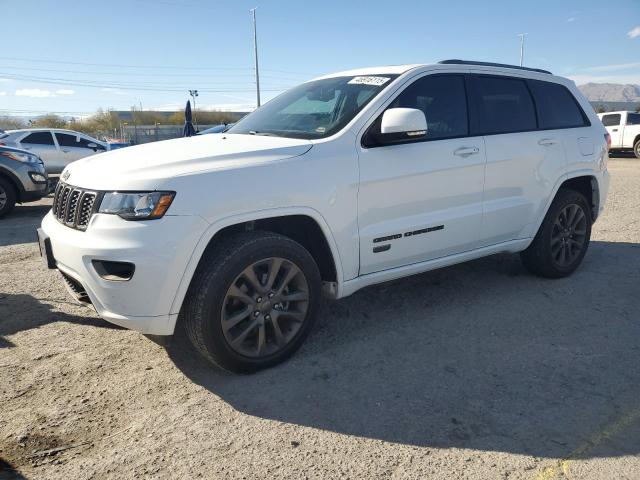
377 81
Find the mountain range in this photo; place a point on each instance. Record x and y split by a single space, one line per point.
611 92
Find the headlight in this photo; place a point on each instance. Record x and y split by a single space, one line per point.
21 157
137 206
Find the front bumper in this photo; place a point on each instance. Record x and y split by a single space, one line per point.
159 249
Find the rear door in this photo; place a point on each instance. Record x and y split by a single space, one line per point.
521 161
41 143
612 122
420 200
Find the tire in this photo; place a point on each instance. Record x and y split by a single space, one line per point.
636 149
558 231
215 311
7 197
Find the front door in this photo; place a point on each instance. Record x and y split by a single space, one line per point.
422 200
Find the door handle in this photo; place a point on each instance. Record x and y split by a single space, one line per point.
546 142
466 151
614 129
65 151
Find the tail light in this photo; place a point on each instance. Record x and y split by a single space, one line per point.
607 137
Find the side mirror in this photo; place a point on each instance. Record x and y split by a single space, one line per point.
93 146
404 122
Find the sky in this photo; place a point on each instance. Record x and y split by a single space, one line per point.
75 56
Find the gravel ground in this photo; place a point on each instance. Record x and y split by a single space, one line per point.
476 371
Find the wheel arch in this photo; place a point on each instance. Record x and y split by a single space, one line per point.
304 225
13 181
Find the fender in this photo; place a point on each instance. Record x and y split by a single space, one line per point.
15 181
217 226
552 196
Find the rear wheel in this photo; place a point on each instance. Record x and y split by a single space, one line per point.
563 238
253 301
636 149
7 197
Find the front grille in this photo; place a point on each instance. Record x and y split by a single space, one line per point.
73 206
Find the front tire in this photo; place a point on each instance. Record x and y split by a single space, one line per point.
7 197
252 302
563 238
636 149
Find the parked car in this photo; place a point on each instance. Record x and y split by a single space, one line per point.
345 181
624 128
22 178
57 147
216 129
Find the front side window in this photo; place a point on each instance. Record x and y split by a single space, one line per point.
633 118
66 140
502 105
85 142
315 109
556 106
611 120
38 138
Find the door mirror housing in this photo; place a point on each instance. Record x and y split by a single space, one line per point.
408 121
92 145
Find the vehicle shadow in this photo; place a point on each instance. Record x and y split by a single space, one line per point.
13 318
20 225
481 355
7 472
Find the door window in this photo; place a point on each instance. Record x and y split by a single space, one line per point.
556 106
502 105
38 138
633 118
83 142
611 120
66 140
443 100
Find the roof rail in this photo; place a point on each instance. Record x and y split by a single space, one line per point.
490 64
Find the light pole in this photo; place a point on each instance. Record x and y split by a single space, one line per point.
521 35
194 94
255 54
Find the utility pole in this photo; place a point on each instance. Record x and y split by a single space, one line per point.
194 94
521 35
255 52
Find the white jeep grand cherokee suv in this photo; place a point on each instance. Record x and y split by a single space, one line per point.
345 181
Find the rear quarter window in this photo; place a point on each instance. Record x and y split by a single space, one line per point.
556 106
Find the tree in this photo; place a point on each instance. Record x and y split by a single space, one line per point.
600 109
11 123
48 121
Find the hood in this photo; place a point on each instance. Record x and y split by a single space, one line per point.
146 166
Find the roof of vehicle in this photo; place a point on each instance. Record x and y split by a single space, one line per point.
400 69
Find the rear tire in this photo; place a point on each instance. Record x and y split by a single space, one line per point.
252 301
7 197
636 149
563 238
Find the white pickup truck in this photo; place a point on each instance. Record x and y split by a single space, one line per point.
624 128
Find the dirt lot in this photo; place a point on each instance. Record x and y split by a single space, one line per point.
476 371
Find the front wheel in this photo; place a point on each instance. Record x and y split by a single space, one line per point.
636 149
563 238
253 301
7 197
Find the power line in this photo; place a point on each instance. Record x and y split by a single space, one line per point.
167 67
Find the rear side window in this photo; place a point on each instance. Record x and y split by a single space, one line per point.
38 138
556 106
502 105
66 140
633 118
611 120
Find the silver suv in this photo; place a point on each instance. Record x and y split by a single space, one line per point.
57 147
22 178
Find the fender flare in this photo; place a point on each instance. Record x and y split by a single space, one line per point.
220 224
554 193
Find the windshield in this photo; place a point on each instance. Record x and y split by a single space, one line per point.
315 109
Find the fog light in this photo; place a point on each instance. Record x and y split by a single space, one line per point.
114 271
37 177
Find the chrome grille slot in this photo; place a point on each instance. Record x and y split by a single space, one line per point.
74 206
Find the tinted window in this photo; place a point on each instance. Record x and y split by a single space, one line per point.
66 140
39 138
556 106
85 143
443 100
611 120
633 118
502 105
